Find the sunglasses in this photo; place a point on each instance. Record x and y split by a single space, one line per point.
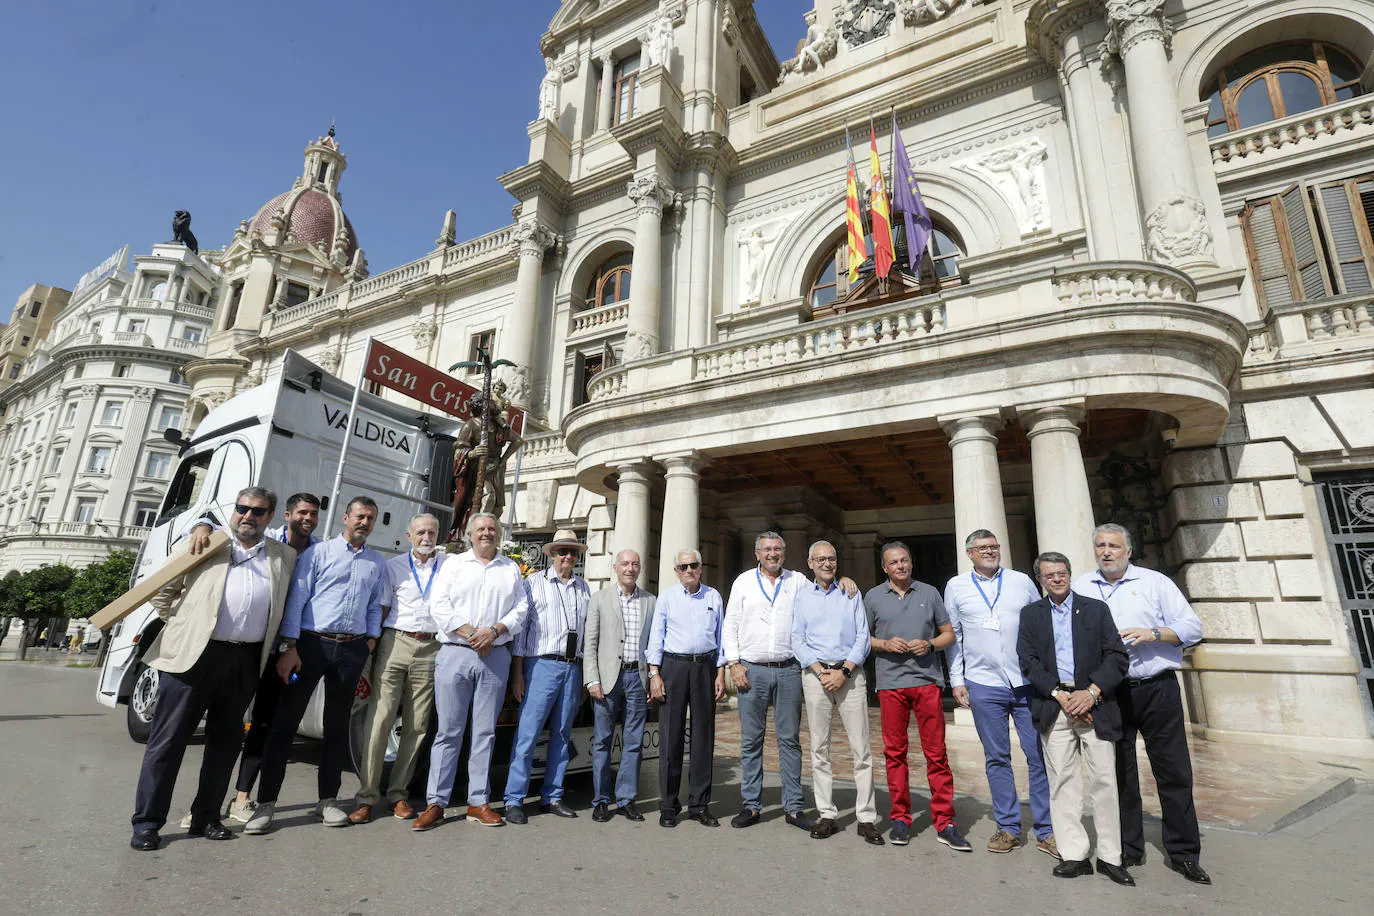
681 566
255 511
565 552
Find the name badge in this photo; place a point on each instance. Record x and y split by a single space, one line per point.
992 623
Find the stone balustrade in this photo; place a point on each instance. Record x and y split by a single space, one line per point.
1114 281
493 242
1325 320
1292 329
605 318
546 448
183 345
77 529
129 339
1301 128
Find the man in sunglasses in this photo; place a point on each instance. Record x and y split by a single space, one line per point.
330 626
686 672
219 620
546 676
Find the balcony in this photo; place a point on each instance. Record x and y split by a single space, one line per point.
598 321
128 339
183 345
1251 142
1307 329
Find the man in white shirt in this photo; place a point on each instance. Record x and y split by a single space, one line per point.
546 676
402 673
479 603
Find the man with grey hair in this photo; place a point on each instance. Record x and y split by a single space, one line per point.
479 603
402 672
1156 623
984 607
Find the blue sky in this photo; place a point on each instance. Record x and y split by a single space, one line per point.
116 114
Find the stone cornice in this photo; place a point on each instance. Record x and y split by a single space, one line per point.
537 179
1048 21
656 129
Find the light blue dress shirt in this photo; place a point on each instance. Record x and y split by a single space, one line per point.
336 589
1145 598
982 653
1061 617
686 624
828 626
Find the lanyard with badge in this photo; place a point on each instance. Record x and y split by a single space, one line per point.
570 647
1107 596
990 622
424 589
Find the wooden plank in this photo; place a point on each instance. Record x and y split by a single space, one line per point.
140 594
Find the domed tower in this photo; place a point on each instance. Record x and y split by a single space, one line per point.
299 245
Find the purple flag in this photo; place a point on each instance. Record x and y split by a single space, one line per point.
906 196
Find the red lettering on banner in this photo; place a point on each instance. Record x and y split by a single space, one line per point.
393 369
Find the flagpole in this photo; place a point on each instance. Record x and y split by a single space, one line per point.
349 426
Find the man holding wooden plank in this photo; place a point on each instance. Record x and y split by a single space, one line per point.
219 618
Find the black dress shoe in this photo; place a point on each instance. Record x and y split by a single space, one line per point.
824 829
557 807
1117 873
747 817
1073 868
1192 871
211 830
667 819
631 812
145 841
515 814
1132 861
801 819
870 833
705 819
601 812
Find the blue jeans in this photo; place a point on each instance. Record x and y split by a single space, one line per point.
627 704
991 707
553 691
780 688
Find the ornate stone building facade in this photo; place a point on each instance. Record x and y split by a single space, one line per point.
83 460
1147 300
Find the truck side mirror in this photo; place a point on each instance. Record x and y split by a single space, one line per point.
173 436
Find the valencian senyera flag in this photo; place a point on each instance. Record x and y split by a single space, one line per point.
880 216
858 251
907 198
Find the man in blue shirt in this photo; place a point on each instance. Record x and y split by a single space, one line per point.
331 623
686 670
830 641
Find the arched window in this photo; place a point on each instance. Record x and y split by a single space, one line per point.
1278 81
939 265
611 282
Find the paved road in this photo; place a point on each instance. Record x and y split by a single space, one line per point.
70 772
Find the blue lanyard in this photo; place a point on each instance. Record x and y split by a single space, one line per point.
992 605
1107 596
776 588
424 589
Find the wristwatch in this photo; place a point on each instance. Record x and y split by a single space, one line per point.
1054 694
847 672
1155 630
285 645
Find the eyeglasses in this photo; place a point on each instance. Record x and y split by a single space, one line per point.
986 550
565 552
683 566
255 511
825 561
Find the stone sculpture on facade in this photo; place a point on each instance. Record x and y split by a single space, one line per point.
753 258
1176 231
330 359
862 21
1018 172
656 45
181 230
924 12
548 90
423 330
819 46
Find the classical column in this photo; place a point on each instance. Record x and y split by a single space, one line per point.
1079 81
681 529
699 305
978 501
517 341
1176 228
125 467
650 193
632 513
1063 505
603 109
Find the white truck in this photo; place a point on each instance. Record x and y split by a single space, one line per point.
286 435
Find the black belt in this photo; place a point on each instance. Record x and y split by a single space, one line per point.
785 663
236 644
832 666
337 637
701 657
559 658
628 666
1137 681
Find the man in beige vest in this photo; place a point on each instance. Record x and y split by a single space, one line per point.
219 621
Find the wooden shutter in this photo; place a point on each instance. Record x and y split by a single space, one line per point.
579 385
1302 240
1347 234
1263 223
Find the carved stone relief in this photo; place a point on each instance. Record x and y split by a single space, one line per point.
1018 173
820 45
755 248
1177 232
924 12
862 21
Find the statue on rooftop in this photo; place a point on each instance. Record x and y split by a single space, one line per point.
181 230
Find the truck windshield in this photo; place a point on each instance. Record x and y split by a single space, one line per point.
185 486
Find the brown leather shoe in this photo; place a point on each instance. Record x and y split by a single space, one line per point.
361 815
483 815
825 827
430 819
403 810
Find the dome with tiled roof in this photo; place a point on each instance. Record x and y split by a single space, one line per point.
311 212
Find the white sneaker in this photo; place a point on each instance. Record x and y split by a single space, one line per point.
333 815
186 822
242 811
261 821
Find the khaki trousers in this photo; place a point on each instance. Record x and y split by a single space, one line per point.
1067 746
402 679
852 702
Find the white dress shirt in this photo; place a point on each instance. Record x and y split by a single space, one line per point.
556 609
758 619
468 591
247 603
1145 598
410 589
986 615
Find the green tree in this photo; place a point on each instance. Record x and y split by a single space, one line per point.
42 593
98 584
9 601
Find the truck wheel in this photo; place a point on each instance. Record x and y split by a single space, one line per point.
142 703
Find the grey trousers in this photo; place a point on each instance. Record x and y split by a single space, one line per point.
462 680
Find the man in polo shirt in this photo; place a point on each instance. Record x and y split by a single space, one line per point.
908 626
1156 623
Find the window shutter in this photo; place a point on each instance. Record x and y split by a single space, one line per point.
579 389
1263 223
1302 239
1347 234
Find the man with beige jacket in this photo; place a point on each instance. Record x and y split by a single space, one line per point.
219 620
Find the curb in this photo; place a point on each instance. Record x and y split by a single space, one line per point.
1302 805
